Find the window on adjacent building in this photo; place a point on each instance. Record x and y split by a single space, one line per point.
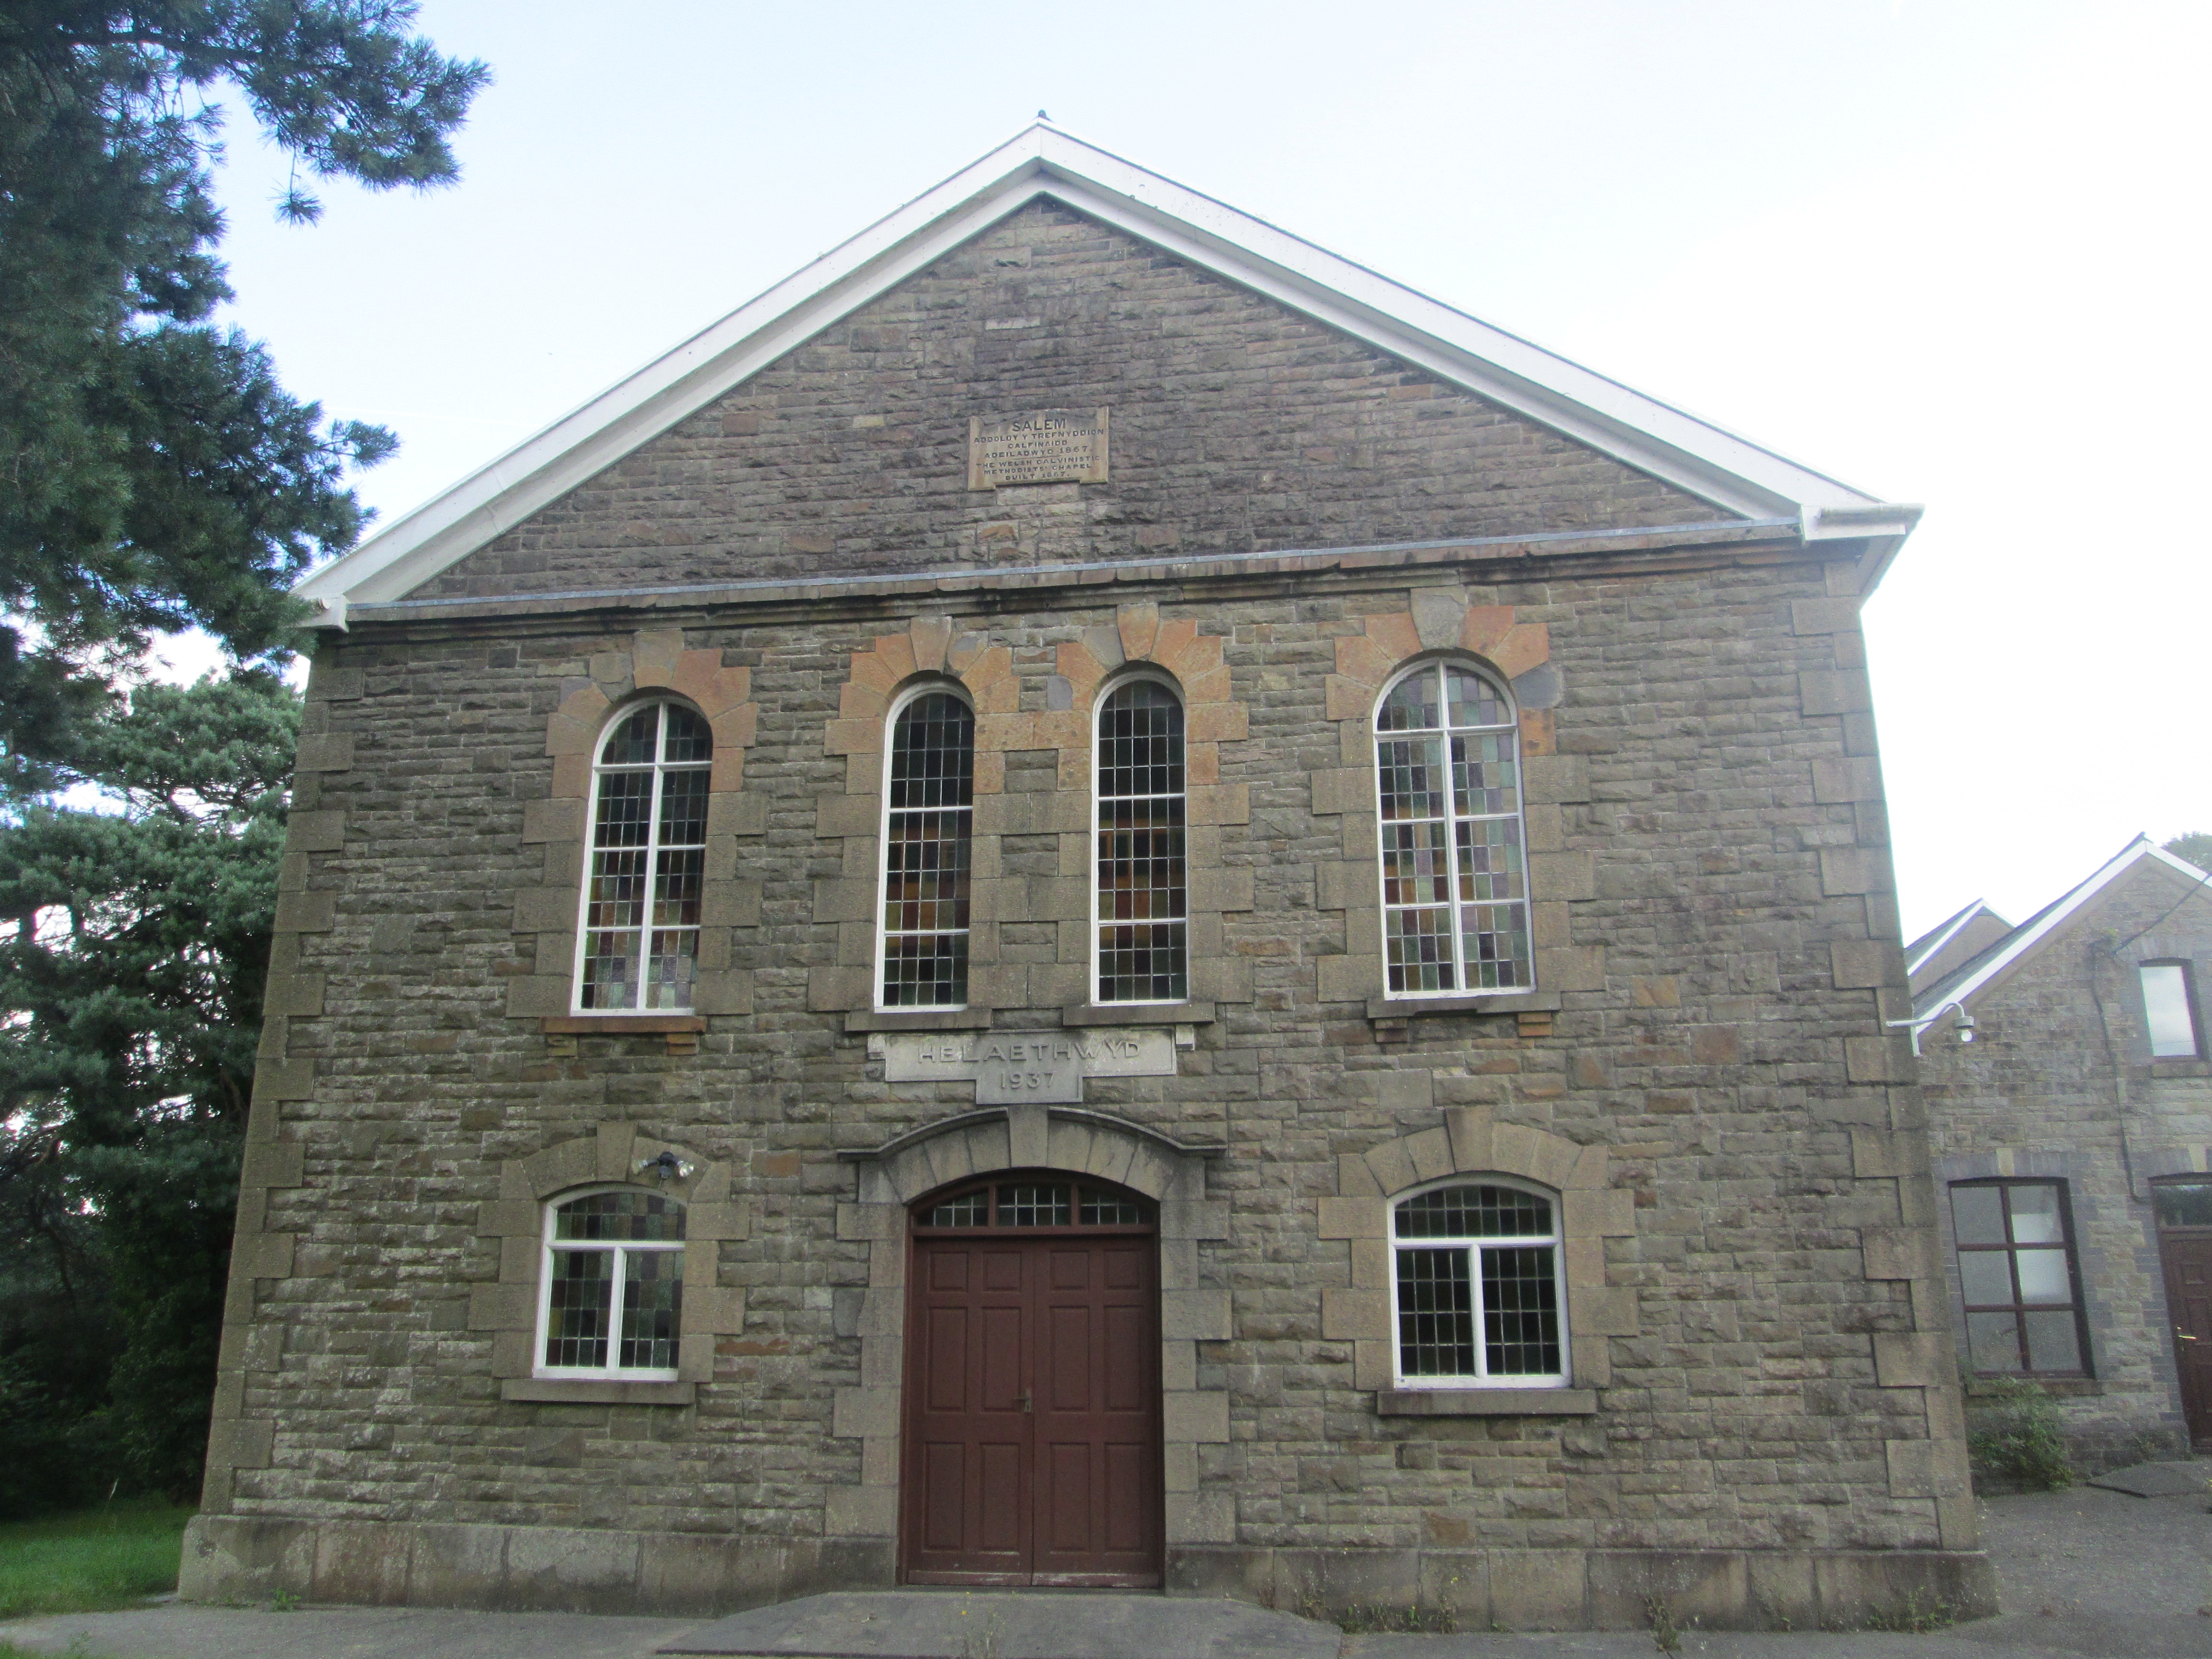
2170 1010
1455 876
2016 1270
610 1302
1478 1292
638 947
929 815
1143 930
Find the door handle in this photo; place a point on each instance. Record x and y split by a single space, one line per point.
1025 1401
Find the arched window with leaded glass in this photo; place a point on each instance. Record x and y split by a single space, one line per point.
1455 868
929 800
610 1291
639 944
1141 893
1480 1293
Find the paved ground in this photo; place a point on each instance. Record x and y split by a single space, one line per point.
2086 1574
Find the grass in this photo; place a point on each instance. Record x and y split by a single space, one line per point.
112 1555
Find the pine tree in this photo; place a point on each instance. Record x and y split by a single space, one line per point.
154 475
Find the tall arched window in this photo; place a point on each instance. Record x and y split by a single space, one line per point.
1480 1296
610 1291
929 810
1455 876
640 947
1143 932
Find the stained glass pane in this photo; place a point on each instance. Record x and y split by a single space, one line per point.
1494 942
576 1309
1412 706
652 1305
1485 773
611 971
1491 867
1520 1312
1412 777
1034 1205
1475 1213
626 1216
625 810
631 742
1419 949
1143 940
689 738
1416 863
1474 700
1435 1314
927 837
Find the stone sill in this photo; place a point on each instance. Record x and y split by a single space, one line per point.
1138 1013
1394 1010
1485 1402
2179 1068
621 1025
918 1019
584 1391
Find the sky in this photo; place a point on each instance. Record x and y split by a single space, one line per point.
1948 253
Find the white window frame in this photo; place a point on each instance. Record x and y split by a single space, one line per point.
621 717
1377 737
905 699
1556 1240
547 1247
1091 871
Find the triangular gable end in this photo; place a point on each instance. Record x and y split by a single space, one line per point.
2000 961
1741 478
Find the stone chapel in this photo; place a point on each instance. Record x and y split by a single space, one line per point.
1092 899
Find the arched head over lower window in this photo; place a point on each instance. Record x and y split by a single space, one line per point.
610 1291
1480 1293
929 798
1141 946
638 947
1454 868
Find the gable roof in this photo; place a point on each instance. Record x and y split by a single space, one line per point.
1694 455
1952 941
1980 971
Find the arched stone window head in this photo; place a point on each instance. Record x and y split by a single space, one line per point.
1479 1293
1454 867
610 1294
929 798
639 945
1142 932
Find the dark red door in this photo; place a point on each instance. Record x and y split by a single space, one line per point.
2184 1248
1032 1447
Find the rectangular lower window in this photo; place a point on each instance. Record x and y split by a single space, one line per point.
1477 1288
2170 1011
2018 1280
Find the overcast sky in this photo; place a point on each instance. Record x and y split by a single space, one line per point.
1949 252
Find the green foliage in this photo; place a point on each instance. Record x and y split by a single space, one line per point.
132 957
2195 847
2015 1433
158 476
1915 1616
106 1555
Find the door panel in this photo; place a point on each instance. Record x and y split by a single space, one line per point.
1033 1411
2187 1255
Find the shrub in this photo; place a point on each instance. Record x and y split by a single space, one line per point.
2015 1433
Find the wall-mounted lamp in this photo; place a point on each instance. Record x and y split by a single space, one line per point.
666 1167
1963 1025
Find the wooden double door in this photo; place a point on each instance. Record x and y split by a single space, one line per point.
1031 1447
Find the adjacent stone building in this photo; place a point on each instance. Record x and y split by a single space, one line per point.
1093 899
2070 1105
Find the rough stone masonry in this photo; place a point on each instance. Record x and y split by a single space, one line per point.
1764 1418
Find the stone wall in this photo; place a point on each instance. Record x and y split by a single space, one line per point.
2059 1083
1766 1339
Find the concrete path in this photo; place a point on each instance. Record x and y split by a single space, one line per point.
2086 1574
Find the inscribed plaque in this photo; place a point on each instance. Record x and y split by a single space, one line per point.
1010 1067
1052 446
